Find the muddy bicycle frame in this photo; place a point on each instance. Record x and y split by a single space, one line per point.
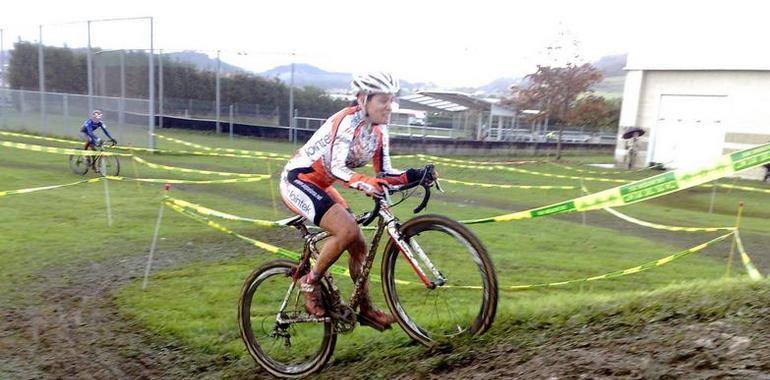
386 222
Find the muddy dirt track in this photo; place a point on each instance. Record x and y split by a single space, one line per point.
68 327
65 325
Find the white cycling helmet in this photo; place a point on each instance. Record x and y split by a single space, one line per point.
375 83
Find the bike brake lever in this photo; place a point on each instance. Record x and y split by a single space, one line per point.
438 186
372 214
425 200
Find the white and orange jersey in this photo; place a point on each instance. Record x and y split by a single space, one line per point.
344 142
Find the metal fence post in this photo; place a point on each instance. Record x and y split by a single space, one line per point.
90 71
122 106
2 59
160 89
218 128
151 106
41 79
231 121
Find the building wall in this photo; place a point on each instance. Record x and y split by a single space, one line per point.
747 115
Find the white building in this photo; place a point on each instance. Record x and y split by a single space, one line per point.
695 108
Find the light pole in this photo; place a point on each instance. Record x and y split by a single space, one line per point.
291 102
121 105
150 76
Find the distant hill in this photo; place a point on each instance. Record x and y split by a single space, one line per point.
203 62
309 75
610 66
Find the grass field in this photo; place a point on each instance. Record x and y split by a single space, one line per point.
193 302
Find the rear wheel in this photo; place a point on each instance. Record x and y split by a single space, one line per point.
289 349
79 164
465 304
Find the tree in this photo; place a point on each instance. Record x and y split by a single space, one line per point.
554 91
66 71
594 111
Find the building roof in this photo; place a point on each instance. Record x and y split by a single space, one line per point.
696 58
451 101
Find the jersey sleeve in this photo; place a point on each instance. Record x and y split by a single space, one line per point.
385 165
343 136
106 132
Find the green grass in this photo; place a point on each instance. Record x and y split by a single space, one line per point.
196 304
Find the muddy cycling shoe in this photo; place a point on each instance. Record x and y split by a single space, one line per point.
376 319
312 293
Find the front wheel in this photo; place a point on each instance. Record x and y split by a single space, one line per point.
108 165
293 346
465 304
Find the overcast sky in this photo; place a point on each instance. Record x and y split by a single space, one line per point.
451 43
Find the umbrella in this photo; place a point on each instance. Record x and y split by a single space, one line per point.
633 132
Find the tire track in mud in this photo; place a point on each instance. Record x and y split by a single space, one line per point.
65 323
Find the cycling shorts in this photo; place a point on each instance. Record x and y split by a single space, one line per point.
304 197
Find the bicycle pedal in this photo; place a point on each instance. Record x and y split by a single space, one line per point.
364 321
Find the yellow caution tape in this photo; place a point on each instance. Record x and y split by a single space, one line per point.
750 268
223 215
265 246
157 151
507 186
228 150
48 149
75 142
659 226
189 181
199 171
118 178
737 187
468 162
665 227
589 171
619 273
35 189
259 244
517 170
648 188
44 138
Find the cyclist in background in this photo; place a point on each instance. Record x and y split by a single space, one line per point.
347 140
90 126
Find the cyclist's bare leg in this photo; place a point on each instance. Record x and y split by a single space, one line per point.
345 235
353 240
343 230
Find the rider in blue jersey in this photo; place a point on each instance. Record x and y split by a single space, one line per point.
90 126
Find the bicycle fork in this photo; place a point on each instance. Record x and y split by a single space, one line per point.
412 251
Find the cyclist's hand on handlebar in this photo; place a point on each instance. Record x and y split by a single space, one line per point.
369 185
425 176
430 177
